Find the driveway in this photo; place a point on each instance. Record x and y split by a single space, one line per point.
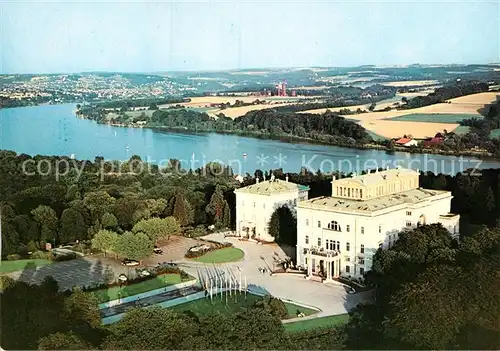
331 298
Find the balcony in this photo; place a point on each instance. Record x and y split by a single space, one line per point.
321 252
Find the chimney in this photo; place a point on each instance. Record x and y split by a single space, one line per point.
286 179
257 180
333 186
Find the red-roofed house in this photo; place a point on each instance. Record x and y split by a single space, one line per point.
406 142
436 140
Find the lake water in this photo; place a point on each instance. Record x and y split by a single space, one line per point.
54 130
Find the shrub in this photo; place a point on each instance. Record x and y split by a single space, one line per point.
42 255
13 257
66 257
196 232
274 306
213 246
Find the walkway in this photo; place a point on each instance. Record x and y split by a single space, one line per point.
331 299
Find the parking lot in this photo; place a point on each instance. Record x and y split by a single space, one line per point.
79 272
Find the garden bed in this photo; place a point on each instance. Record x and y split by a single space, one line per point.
223 255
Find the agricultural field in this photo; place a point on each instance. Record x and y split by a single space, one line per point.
390 125
495 133
435 117
412 83
396 129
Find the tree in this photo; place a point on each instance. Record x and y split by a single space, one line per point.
151 329
283 226
134 246
98 203
105 241
226 215
63 341
109 221
47 220
215 207
182 210
157 228
73 226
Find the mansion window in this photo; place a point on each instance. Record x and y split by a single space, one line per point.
348 228
379 229
362 230
319 224
347 246
333 225
319 242
408 213
307 222
361 271
360 193
347 269
362 249
362 261
338 245
408 223
307 239
254 204
347 259
330 245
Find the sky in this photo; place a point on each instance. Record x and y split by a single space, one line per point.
57 37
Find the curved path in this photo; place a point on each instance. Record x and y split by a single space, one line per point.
331 299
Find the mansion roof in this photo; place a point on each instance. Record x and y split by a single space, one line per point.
272 187
381 177
412 197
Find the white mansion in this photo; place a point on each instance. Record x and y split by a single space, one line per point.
256 203
339 234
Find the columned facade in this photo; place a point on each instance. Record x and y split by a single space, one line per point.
323 263
338 235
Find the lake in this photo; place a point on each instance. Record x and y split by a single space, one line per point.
55 130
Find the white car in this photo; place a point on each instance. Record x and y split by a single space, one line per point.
130 263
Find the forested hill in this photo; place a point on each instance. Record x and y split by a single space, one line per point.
326 128
447 92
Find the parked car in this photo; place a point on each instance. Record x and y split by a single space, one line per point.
157 250
127 262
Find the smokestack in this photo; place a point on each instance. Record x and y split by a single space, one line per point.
333 186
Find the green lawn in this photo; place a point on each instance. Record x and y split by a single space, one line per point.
226 254
461 130
316 323
18 265
436 117
236 302
495 133
375 136
160 281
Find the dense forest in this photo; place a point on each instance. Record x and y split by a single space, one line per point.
460 88
326 128
73 200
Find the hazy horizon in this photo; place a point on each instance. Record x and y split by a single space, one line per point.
162 37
